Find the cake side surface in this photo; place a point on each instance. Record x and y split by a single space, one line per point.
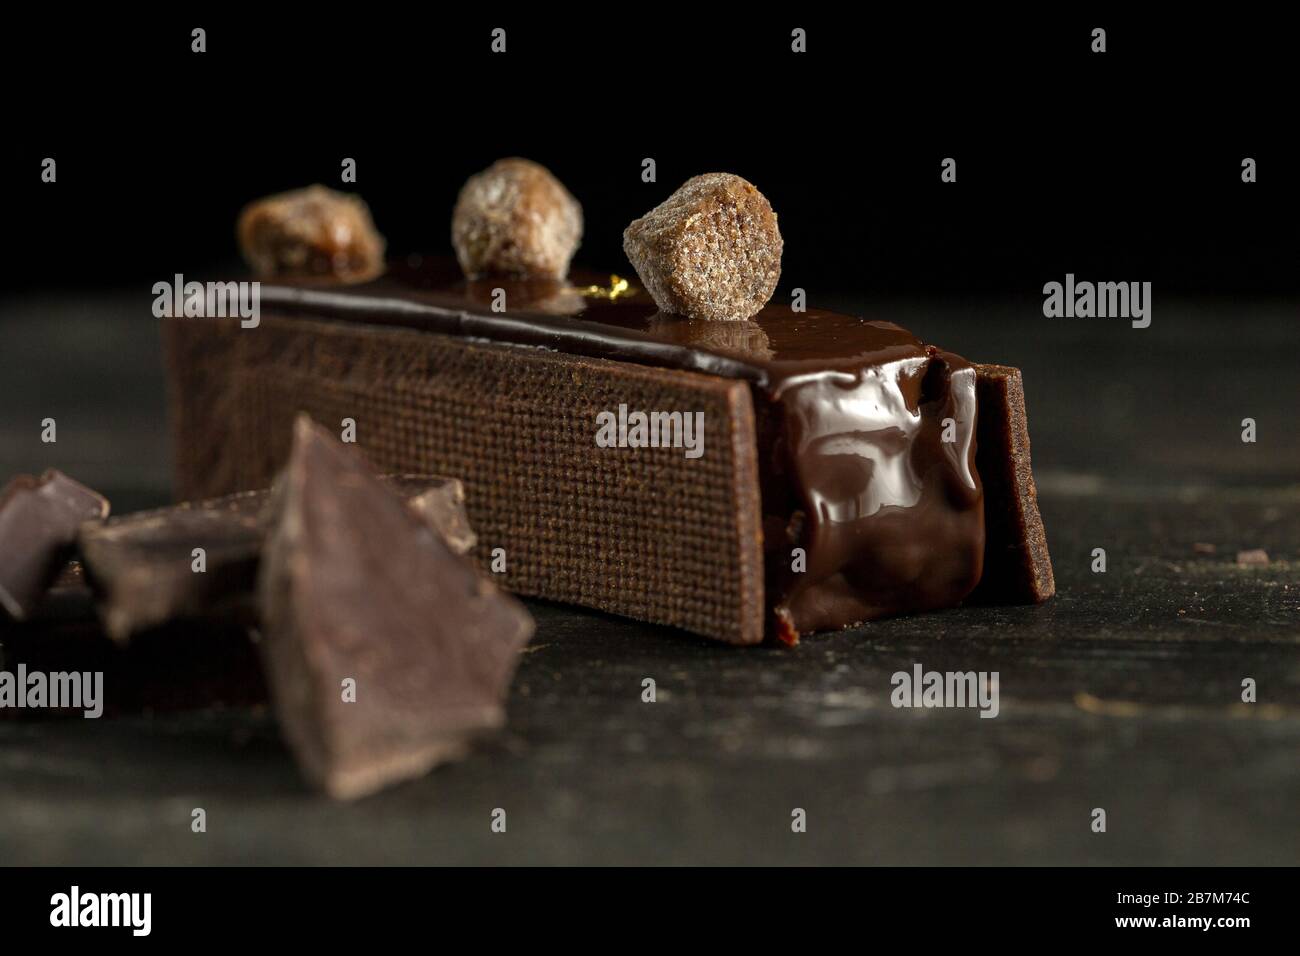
1017 566
643 532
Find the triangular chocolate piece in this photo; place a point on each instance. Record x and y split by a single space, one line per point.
39 518
385 651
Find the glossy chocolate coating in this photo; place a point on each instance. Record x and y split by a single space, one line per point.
850 417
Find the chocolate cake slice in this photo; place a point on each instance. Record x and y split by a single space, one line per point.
782 474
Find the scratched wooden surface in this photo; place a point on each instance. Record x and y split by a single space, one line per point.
1123 693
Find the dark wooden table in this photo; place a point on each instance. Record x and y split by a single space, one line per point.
1123 693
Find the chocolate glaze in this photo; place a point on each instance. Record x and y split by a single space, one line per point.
850 417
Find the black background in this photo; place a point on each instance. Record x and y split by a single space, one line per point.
1117 166
378 904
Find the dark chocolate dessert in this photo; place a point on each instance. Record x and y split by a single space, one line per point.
850 489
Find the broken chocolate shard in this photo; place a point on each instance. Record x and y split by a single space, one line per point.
146 572
385 652
1017 566
39 518
155 566
442 507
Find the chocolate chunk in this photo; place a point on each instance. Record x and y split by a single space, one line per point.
386 653
442 508
144 570
143 565
1017 567
711 250
311 233
39 519
515 218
